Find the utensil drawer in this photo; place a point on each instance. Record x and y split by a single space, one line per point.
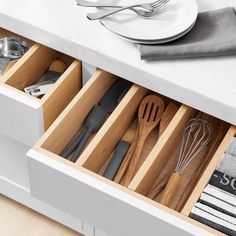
79 188
23 117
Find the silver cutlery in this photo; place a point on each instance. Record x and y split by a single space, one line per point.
85 3
11 48
151 9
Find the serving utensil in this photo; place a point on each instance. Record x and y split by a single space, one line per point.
219 129
149 114
11 48
151 9
197 134
168 115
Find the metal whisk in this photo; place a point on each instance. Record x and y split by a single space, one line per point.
196 135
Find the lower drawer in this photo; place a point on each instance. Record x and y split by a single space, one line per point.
81 190
13 163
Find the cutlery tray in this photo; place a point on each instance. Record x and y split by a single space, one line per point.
79 188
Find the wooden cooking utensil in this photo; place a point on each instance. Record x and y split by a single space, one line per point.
219 129
197 134
125 163
168 115
57 66
149 114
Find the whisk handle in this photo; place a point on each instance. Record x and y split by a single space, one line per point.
170 189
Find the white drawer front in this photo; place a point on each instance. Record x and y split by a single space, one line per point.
13 164
111 210
21 118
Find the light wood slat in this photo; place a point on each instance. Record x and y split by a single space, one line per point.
208 172
62 93
28 222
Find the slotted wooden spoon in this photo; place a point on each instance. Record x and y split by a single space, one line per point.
149 114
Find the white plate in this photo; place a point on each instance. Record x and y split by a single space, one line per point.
166 40
178 16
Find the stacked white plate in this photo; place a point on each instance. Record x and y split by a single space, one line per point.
175 20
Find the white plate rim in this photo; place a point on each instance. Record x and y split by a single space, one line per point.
157 41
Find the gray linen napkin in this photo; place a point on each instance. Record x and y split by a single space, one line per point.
228 165
231 150
214 34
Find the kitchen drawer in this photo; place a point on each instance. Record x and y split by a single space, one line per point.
23 117
13 163
80 190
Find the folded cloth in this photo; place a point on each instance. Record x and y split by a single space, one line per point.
214 219
231 150
214 34
224 182
220 194
228 165
218 204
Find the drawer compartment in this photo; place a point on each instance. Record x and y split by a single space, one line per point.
24 117
80 189
5 33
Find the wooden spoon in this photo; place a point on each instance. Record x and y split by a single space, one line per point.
125 163
168 115
149 114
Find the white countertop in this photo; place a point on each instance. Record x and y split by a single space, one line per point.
206 84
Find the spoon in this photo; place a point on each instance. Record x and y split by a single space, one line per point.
11 48
149 114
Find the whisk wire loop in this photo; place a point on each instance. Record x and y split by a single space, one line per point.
196 135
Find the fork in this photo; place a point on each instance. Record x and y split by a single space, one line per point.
152 9
84 3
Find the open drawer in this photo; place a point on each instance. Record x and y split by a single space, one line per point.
24 117
80 189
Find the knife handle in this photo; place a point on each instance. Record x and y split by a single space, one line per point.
119 154
81 144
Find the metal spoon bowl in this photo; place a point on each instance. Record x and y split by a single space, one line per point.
11 48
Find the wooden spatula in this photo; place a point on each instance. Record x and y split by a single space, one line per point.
149 114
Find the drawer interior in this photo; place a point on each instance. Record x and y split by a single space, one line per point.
30 70
82 104
98 160
159 155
